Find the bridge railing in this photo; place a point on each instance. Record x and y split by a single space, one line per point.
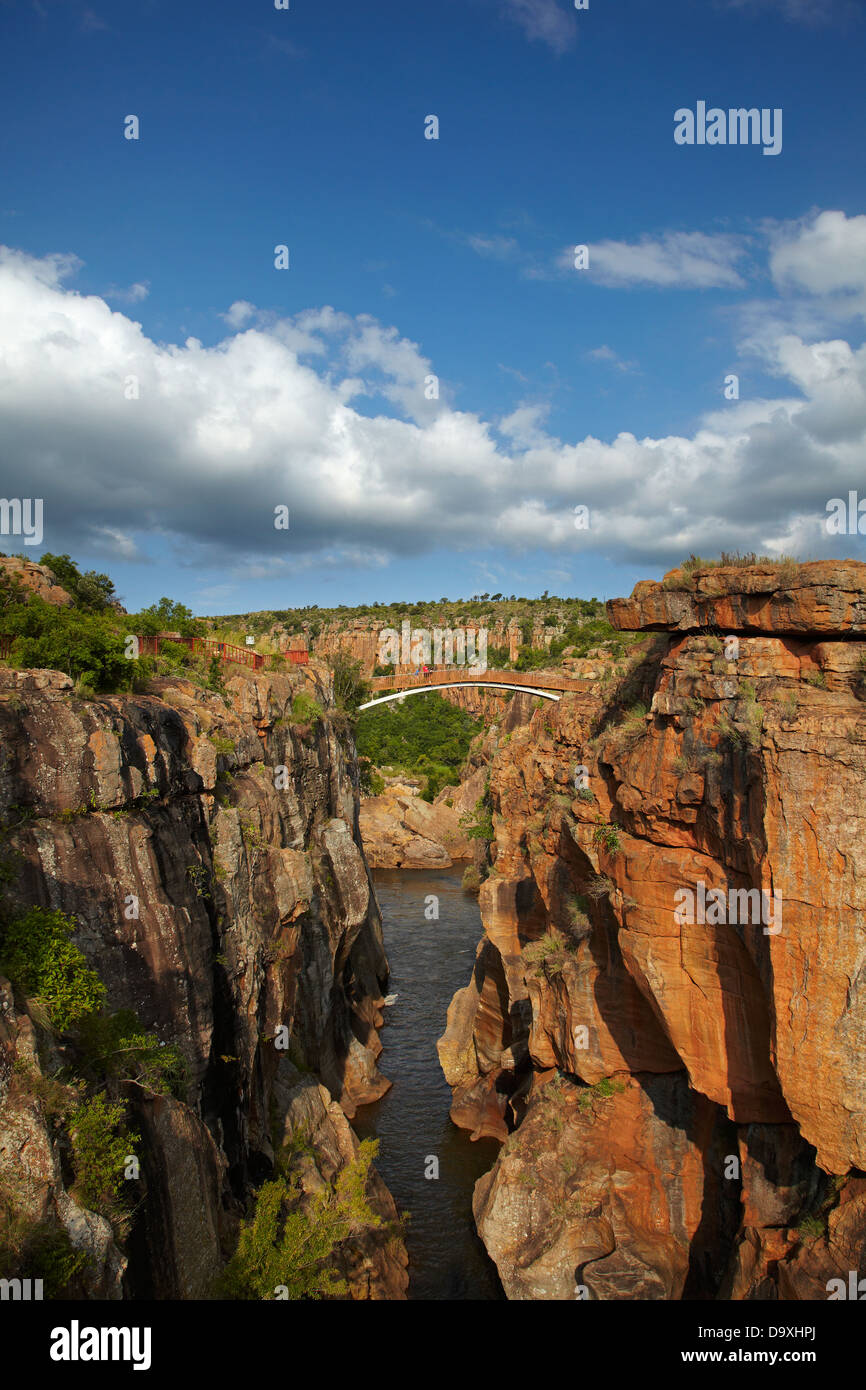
543 680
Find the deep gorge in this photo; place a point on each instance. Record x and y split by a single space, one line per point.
429 959
660 1109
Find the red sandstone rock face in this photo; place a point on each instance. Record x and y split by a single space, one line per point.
400 830
822 596
493 707
255 912
359 639
742 776
611 1198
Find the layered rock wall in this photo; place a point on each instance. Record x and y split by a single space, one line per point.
608 959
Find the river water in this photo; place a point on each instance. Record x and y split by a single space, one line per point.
430 961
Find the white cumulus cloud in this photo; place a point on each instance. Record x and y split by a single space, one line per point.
220 436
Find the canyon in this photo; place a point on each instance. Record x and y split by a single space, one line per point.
677 1099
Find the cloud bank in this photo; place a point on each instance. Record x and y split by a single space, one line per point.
329 415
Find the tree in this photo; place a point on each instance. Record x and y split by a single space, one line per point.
428 736
85 645
91 590
41 961
166 616
350 690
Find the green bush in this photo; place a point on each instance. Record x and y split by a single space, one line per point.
584 635
350 690
166 616
812 1225
579 924
91 591
100 1151
41 962
532 659
788 708
623 737
176 656
223 745
547 953
497 658
305 710
471 881
85 645
607 1087
607 836
37 1250
289 1244
371 782
602 1090
436 776
479 824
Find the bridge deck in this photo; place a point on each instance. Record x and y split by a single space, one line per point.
518 680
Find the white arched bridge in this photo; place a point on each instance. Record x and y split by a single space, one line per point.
549 685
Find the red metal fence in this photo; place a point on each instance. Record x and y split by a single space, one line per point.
200 646
225 651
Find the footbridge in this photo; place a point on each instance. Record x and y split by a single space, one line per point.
549 685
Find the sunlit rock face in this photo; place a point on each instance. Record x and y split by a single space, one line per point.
402 831
690 905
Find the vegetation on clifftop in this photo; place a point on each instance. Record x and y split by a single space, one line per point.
88 640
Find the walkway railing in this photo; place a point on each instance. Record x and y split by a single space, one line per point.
224 651
201 646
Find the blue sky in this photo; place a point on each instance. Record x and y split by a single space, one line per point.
153 259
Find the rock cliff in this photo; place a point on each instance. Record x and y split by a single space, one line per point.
207 848
673 938
402 831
